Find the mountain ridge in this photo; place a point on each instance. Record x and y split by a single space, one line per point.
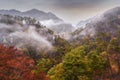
108 22
34 13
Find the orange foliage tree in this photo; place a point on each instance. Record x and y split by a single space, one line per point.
15 65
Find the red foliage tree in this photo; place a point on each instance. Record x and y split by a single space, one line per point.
15 65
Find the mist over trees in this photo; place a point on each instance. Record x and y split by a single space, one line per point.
31 51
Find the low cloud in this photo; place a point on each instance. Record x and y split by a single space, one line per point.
23 36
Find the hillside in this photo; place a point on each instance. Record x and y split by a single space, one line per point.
108 22
47 19
24 31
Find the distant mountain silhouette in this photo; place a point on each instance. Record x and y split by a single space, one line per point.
34 13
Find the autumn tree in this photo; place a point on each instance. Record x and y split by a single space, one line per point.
15 65
79 64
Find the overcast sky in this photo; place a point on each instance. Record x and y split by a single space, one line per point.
69 10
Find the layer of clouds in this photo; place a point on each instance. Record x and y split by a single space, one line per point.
55 3
77 3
